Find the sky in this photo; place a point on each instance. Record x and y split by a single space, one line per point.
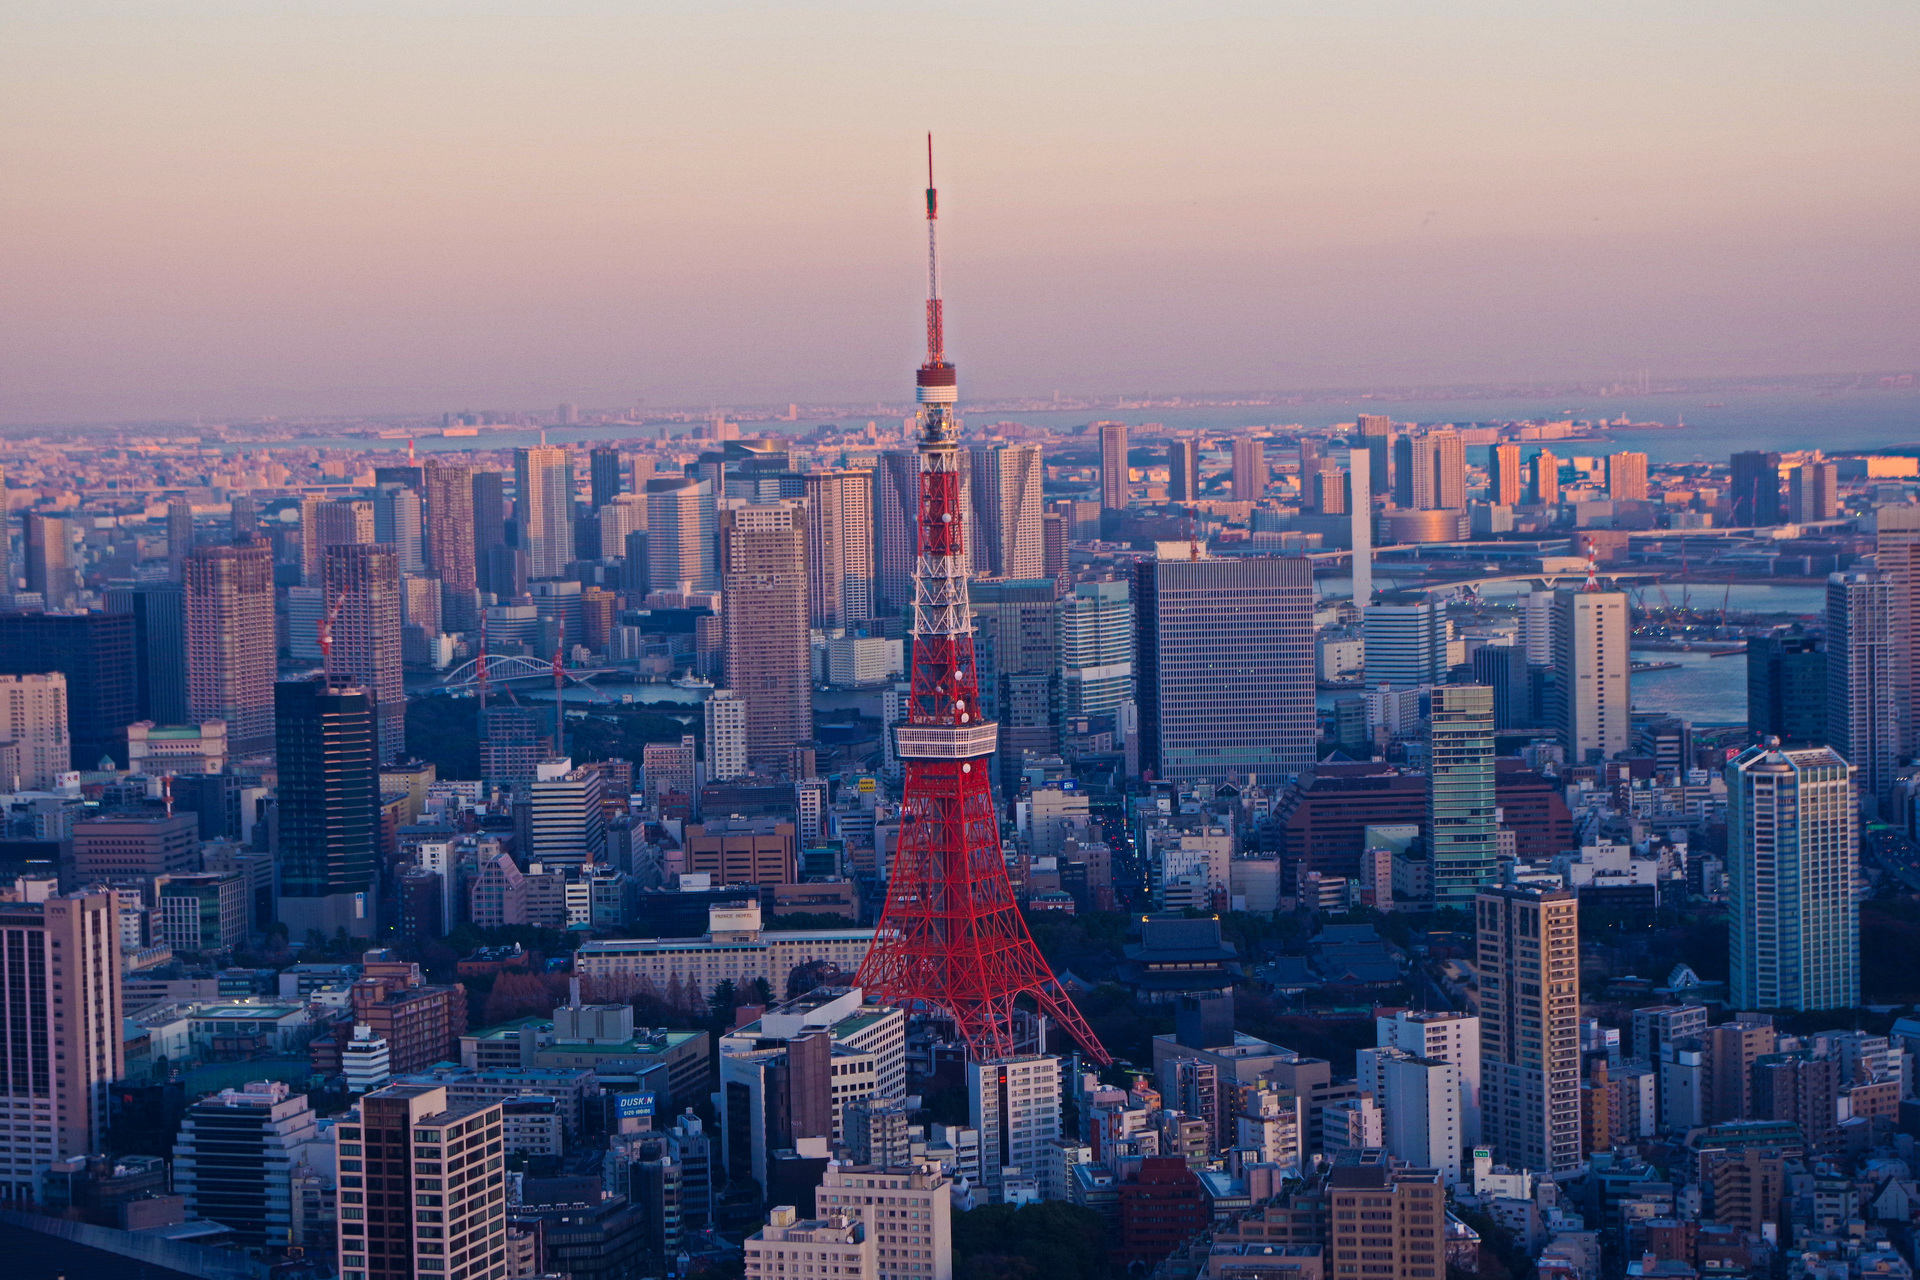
234 208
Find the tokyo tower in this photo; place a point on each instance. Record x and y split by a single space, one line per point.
951 938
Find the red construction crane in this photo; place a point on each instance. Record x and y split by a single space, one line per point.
951 938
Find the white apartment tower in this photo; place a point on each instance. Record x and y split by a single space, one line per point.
1419 1100
1792 845
35 711
726 714
1590 665
1444 1037
908 1214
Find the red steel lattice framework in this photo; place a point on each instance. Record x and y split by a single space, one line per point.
951 937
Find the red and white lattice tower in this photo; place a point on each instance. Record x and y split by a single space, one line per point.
951 939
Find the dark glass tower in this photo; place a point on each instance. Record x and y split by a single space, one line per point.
159 648
95 652
603 475
1787 689
329 798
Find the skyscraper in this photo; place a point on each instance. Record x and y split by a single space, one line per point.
457 1232
1868 711
1505 483
1113 466
1446 1037
1406 642
769 653
51 570
179 535
329 807
1439 479
1813 492
680 527
1096 648
1787 689
896 494
1897 561
1183 470
1792 847
330 522
1590 668
398 521
1249 469
1543 482
489 525
839 547
1754 488
543 508
1375 434
604 479
230 642
1006 511
159 647
95 652
1529 966
1627 477
1461 825
61 1032
363 583
1225 675
1016 651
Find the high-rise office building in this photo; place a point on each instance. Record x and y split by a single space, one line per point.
34 710
1503 669
234 1157
331 522
1813 492
1444 1037
680 534
840 547
1754 489
726 717
1225 666
1868 709
443 1214
159 612
543 508
1406 643
1014 1104
399 522
769 650
896 516
1005 537
1096 648
1183 470
1016 648
1462 829
1506 485
1113 465
1055 560
363 593
61 1032
1590 669
1792 850
1529 965
179 535
489 528
1787 689
1374 431
329 807
243 516
604 475
230 642
1627 477
95 652
1249 469
52 572
1543 480
563 820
